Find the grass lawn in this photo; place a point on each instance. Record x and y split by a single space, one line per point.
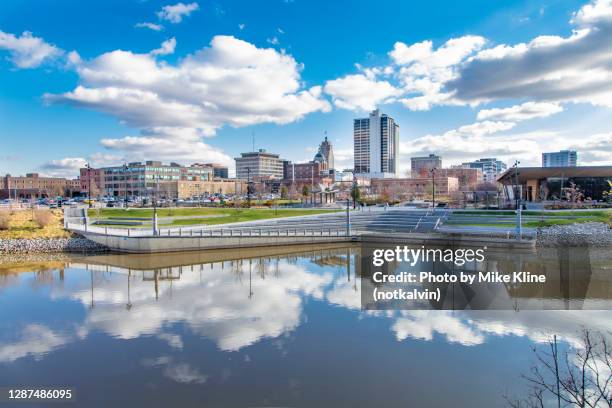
22 226
228 215
548 218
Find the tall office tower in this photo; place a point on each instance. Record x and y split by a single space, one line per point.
376 144
563 158
327 152
490 167
420 166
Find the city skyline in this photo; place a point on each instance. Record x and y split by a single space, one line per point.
130 92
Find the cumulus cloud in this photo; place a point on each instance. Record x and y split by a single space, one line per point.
166 48
491 139
231 82
69 167
360 92
66 167
182 145
175 13
576 68
34 340
468 71
150 26
526 111
27 51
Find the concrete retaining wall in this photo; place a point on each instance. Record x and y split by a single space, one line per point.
175 244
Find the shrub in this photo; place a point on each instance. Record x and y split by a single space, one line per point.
5 218
42 218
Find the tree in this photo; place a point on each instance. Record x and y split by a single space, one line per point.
306 190
355 193
573 194
580 376
607 195
284 193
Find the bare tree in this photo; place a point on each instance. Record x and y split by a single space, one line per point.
578 377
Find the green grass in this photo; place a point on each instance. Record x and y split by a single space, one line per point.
549 222
229 214
597 213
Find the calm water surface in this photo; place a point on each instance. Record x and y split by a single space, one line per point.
273 327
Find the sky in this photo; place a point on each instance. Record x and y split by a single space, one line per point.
111 81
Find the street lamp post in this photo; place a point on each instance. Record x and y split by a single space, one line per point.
348 217
248 187
125 168
155 205
519 231
433 188
88 184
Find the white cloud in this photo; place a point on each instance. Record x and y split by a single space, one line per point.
175 13
594 12
241 26
67 167
360 92
490 139
577 68
526 111
273 41
168 145
166 48
150 26
34 340
28 51
231 82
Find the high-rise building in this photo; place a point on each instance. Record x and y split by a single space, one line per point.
563 158
326 152
490 167
376 144
259 164
420 166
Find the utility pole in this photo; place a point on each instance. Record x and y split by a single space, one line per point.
519 231
433 188
155 204
89 184
348 217
248 187
125 167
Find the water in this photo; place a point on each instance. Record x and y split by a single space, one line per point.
272 327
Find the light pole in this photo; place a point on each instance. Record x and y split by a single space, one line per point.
88 184
433 188
155 205
248 187
125 168
519 231
348 217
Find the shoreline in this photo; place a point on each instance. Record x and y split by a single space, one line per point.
592 234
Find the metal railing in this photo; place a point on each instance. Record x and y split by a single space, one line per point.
213 232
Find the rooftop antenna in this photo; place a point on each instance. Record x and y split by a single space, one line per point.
325 135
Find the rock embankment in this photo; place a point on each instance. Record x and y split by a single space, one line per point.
580 234
39 245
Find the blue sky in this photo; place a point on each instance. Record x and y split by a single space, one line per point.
109 81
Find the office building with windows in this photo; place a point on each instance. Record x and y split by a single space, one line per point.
259 164
139 180
420 166
563 158
490 168
375 146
